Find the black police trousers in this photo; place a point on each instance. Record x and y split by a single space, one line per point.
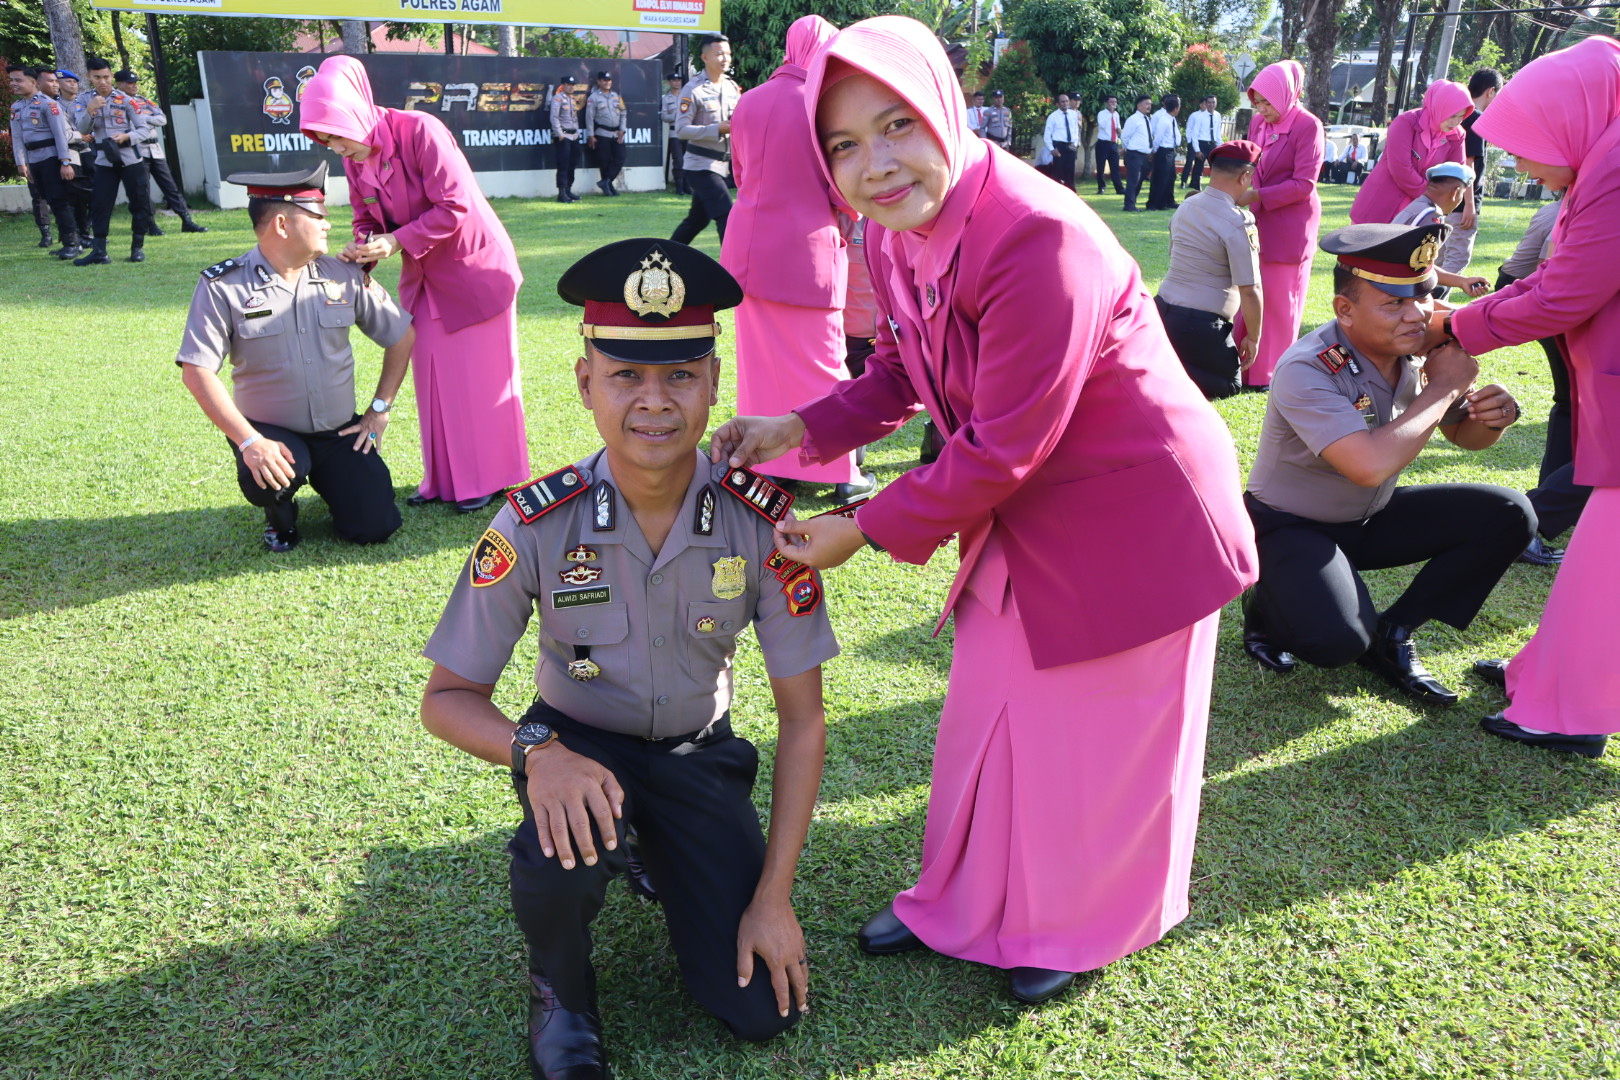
172 196
567 153
1136 168
81 191
1312 601
137 189
1203 341
356 486
1162 179
609 157
1108 155
46 178
711 201
688 798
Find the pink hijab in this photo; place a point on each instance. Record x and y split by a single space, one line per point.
1443 98
905 56
1560 107
1281 84
338 101
804 39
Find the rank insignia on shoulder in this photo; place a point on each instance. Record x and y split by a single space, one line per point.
1334 357
219 268
845 511
492 559
758 494
703 518
539 497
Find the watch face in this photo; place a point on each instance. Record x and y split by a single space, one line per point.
531 734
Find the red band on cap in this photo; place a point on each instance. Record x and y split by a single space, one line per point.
605 313
314 194
1399 270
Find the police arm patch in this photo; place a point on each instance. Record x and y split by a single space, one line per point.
492 559
540 496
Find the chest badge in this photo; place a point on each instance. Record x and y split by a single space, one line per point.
705 625
255 301
581 554
730 577
584 670
1362 402
580 575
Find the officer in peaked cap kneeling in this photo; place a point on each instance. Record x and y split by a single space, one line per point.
282 314
1352 403
645 563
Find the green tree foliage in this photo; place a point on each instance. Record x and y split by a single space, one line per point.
1204 71
758 29
558 41
1094 48
24 37
1232 22
184 36
1028 96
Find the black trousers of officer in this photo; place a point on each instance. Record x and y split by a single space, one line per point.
1192 173
46 178
137 189
81 192
711 201
1137 163
172 197
1063 161
1203 341
1162 186
356 486
1558 499
609 157
689 800
674 165
1311 598
1108 155
567 156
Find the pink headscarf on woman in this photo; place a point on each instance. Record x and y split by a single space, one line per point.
804 38
905 56
1281 84
338 101
1443 98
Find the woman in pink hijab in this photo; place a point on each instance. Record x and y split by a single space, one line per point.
414 194
1416 141
1283 199
1070 749
783 246
1560 117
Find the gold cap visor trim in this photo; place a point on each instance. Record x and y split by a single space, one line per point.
1381 279
649 333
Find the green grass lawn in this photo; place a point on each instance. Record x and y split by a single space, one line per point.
227 848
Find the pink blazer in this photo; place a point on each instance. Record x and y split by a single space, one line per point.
782 242
1398 178
1288 210
456 251
1576 295
1074 432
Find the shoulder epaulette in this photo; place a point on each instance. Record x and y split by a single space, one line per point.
219 268
544 494
1337 356
757 493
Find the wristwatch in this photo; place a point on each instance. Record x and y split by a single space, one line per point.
379 405
529 737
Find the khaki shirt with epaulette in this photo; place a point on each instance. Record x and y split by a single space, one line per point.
156 120
120 115
604 114
1214 248
39 132
291 363
1322 391
997 124
704 106
653 635
667 106
564 117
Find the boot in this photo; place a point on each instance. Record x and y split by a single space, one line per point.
96 255
153 230
45 240
563 1045
1394 657
136 252
70 248
189 224
1257 643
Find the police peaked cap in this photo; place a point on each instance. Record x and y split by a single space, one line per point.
302 187
650 301
1397 259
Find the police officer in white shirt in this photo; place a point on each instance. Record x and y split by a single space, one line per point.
1203 136
1110 126
1166 137
1064 127
1138 145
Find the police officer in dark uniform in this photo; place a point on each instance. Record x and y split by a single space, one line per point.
39 146
605 121
282 314
565 137
669 112
644 563
1352 403
65 89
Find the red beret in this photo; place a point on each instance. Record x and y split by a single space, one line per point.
1237 150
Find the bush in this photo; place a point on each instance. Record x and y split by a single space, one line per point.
1028 96
1204 71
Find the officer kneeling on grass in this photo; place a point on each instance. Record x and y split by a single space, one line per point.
644 562
1352 403
282 313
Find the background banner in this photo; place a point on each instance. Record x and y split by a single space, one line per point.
498 107
685 15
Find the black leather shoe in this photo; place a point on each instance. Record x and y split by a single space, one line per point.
153 230
884 934
45 240
1033 985
605 187
416 499
563 1045
281 540
73 251
472 506
1258 645
635 871
1585 745
857 489
1493 672
96 256
1394 657
189 225
1540 553
137 254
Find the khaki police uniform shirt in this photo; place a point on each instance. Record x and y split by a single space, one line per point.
997 124
1214 248
77 139
1316 399
291 364
564 117
667 106
704 106
1535 246
120 115
39 131
663 629
1420 211
156 120
605 114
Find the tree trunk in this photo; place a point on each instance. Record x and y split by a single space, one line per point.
66 40
1389 18
354 36
1431 39
118 42
506 44
1321 39
1292 26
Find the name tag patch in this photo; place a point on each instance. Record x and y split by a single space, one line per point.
570 598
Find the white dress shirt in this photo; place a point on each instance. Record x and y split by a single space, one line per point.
1064 126
1330 150
1165 131
976 119
1204 126
1108 126
1135 135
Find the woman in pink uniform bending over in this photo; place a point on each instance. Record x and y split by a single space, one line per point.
1070 749
1418 140
1560 117
414 194
1282 196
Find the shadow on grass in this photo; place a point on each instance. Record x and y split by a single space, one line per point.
48 564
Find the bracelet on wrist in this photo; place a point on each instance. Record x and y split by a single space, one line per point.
249 441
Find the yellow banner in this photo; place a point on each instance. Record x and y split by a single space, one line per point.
678 16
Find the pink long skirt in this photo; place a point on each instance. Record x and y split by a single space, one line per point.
1283 287
788 356
1565 679
1065 801
469 401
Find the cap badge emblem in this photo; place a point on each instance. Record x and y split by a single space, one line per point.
1426 253
655 289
